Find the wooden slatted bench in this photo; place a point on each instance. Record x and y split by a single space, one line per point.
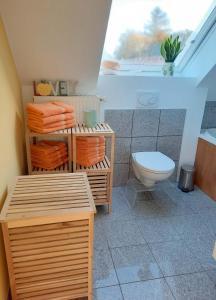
47 222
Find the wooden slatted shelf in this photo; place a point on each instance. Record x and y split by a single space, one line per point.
62 169
100 175
99 167
47 222
100 129
58 133
103 168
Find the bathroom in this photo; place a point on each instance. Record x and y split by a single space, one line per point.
152 241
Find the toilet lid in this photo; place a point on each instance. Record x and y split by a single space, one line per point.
154 161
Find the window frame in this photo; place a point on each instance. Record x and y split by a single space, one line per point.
197 38
189 51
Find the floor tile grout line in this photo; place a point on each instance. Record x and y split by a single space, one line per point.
132 123
162 277
158 130
203 270
115 270
169 288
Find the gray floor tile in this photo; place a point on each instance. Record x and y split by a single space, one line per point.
208 217
104 272
212 275
175 258
147 290
124 233
145 208
158 230
100 240
108 293
170 207
120 208
195 286
202 248
135 263
190 226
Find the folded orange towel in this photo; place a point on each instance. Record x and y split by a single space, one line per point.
50 166
48 154
47 130
51 125
90 150
51 119
64 105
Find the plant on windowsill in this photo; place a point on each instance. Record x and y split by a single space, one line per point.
170 49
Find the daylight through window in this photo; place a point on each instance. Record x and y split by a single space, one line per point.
137 27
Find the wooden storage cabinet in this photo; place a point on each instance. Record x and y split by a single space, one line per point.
100 175
100 187
47 223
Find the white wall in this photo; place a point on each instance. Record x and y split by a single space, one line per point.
57 39
120 93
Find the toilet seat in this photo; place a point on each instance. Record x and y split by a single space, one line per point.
154 162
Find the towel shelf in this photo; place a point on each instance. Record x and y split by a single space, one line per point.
33 137
100 175
102 171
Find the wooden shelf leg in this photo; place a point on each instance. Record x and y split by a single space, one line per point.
69 154
74 152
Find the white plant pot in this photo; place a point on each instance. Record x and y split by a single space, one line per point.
168 68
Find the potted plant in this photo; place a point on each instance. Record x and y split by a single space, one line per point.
170 49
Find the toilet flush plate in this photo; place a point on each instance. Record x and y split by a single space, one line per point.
147 99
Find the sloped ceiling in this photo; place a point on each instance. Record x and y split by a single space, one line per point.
57 39
209 81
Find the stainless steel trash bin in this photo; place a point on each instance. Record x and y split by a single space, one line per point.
186 179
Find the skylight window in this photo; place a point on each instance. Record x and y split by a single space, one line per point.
137 27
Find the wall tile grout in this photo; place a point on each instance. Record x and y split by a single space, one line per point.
158 130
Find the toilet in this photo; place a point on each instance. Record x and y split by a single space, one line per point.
151 167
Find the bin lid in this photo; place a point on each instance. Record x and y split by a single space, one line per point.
188 168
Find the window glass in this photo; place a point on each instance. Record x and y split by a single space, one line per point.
137 27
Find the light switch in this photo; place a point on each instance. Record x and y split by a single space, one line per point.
147 99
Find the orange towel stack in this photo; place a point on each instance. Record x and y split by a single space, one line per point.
90 150
48 154
50 116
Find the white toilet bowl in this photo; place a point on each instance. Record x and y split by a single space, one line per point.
151 167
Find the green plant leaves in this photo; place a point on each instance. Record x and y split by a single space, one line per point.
170 48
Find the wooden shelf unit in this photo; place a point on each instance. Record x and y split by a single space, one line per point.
32 137
100 175
48 227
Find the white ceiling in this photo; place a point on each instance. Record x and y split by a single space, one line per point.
57 39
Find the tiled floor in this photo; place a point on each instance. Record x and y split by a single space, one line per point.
160 249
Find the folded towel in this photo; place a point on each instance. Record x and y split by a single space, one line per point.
49 108
90 150
48 154
62 124
49 166
51 119
47 130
